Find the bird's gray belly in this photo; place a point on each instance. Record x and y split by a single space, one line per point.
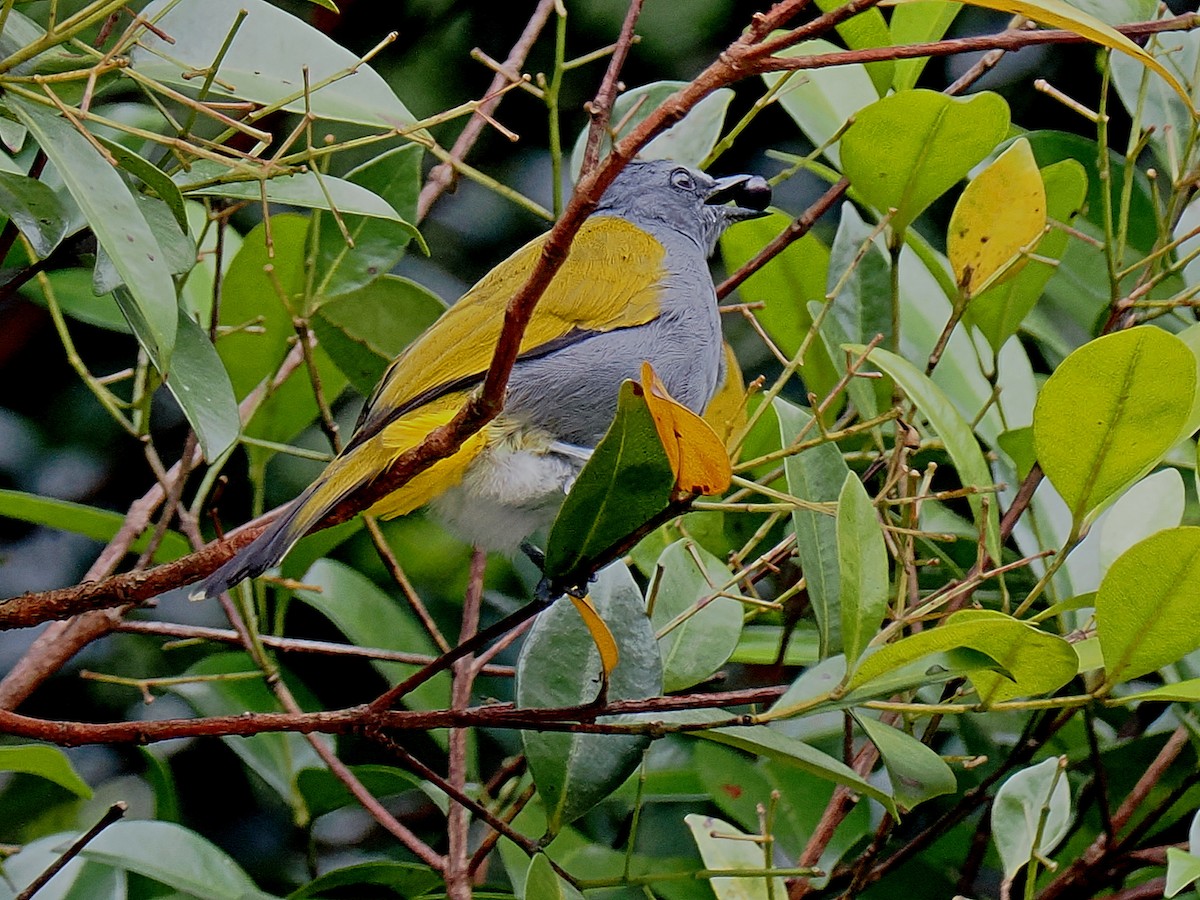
572 393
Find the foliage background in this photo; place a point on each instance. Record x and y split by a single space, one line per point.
55 441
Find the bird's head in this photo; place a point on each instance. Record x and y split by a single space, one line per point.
658 193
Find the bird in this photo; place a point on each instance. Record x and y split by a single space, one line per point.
635 287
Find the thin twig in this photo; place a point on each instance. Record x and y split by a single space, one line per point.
114 814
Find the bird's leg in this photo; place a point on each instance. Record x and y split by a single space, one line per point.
536 556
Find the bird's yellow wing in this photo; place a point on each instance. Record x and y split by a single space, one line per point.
611 279
359 465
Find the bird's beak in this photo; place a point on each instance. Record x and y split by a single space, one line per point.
751 195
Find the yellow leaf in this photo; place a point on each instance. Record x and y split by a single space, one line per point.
605 643
697 456
1058 14
726 411
1001 213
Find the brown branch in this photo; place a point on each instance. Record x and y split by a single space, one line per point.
289 645
91 601
441 176
114 814
345 721
1013 39
458 822
600 108
1081 874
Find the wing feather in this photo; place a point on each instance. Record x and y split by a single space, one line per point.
611 279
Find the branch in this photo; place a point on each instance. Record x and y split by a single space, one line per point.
352 719
600 109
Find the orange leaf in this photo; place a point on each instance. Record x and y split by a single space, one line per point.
606 644
697 456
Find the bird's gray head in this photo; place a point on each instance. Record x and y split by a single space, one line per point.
661 193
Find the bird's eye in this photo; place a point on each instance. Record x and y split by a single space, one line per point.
682 180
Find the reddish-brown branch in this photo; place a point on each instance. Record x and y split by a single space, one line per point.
1080 875
600 108
345 721
1013 39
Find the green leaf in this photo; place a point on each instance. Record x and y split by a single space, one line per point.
794 278
915 23
73 290
174 856
118 223
1050 147
363 331
249 357
296 189
36 211
863 563
394 176
77 880
370 618
1110 412
265 61
773 744
541 881
684 589
1160 110
999 311
560 666
822 100
1183 869
1146 605
406 879
863 32
916 771
722 846
816 475
200 385
178 249
1000 638
45 762
159 776
324 792
687 142
97 524
1018 810
274 757
740 785
626 482
759 645
906 150
1040 662
1179 692
152 176
955 433
861 307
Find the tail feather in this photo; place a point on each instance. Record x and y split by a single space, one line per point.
346 474
265 550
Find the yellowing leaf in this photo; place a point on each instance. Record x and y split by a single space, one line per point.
1058 14
726 411
606 645
1001 213
697 455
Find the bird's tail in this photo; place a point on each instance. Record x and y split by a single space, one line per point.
268 548
346 474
